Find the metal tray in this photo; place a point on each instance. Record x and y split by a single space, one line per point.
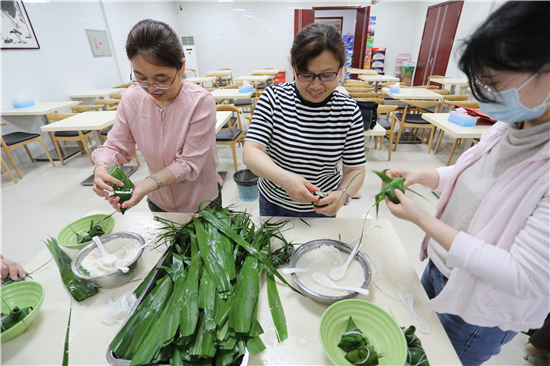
160 272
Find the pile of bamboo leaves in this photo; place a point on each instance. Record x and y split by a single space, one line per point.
203 310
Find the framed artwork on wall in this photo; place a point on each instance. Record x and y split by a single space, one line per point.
16 31
335 21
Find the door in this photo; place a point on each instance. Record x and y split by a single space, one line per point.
302 18
360 41
437 40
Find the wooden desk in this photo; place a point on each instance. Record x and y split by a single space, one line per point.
413 93
221 118
353 70
453 82
271 72
230 94
90 339
260 78
202 79
377 78
219 73
441 120
97 93
40 109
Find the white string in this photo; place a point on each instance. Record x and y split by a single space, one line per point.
407 300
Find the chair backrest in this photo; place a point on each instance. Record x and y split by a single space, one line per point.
377 100
116 96
421 104
369 112
469 104
464 88
359 90
58 116
356 95
456 97
84 108
123 86
231 108
384 108
441 91
426 86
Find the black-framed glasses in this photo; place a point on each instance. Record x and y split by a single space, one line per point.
156 85
323 77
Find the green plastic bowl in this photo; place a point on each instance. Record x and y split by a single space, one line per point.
22 294
376 324
67 236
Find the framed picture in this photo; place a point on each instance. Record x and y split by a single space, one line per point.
16 32
335 21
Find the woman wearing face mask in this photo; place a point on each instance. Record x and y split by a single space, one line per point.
300 131
488 244
171 120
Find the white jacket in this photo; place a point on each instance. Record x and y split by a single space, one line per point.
501 274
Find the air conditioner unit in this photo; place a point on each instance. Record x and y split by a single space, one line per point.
190 52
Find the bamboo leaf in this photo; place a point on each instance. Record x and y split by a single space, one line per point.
384 177
66 348
190 307
255 345
246 296
277 312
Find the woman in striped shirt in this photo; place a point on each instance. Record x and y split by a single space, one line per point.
300 131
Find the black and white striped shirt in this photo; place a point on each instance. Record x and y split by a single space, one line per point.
308 139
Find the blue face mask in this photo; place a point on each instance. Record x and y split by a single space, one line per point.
508 107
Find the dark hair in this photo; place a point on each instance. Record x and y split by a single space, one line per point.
514 38
156 42
313 40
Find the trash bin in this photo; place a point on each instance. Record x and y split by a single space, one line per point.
247 184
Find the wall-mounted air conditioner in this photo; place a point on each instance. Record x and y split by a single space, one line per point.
190 52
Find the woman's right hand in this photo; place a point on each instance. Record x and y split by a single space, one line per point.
412 176
101 183
299 189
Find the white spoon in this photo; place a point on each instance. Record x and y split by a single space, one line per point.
296 270
339 272
123 269
323 280
107 258
149 242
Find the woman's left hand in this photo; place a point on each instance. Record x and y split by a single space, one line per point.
335 201
408 209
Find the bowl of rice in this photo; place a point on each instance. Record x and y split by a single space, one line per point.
323 255
87 263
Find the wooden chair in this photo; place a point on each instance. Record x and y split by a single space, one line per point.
359 95
451 103
414 120
377 100
116 96
104 137
13 140
352 89
442 91
123 86
78 136
464 89
107 102
85 108
387 123
241 103
226 80
431 87
191 70
233 134
7 168
437 77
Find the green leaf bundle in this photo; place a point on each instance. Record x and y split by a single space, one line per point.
79 288
124 192
357 347
415 353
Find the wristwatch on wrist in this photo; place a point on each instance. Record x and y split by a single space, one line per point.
348 198
156 179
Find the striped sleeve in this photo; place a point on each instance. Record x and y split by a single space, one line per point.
261 127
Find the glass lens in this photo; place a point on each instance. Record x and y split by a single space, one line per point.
306 77
329 76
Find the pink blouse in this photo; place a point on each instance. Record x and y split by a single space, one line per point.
180 137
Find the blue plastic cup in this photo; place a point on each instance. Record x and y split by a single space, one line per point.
247 184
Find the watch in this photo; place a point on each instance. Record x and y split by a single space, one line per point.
348 199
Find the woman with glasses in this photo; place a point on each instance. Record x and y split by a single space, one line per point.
300 131
171 120
489 243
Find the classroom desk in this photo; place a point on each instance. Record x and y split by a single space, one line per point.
97 93
353 70
221 118
260 78
453 82
202 79
90 338
41 109
413 93
271 72
230 94
441 120
377 78
219 73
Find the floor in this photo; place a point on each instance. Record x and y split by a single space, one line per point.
48 198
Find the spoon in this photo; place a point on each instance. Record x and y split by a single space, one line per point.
107 258
123 269
339 272
323 280
296 270
149 242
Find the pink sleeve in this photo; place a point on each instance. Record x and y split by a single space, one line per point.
198 143
120 146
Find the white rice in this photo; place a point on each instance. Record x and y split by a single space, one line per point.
328 257
125 249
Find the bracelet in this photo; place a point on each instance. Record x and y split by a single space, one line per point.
100 163
348 199
156 179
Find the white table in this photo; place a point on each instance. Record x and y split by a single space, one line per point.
90 339
219 73
377 78
342 90
95 121
353 70
271 72
230 94
441 120
221 118
413 93
202 79
453 82
41 109
260 78
97 93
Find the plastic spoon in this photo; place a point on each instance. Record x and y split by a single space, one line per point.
149 242
123 269
339 272
107 258
323 280
296 270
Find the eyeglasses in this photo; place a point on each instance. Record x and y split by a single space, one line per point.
323 77
491 91
156 85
